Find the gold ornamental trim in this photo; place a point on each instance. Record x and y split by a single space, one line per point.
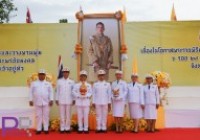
34 77
123 49
78 49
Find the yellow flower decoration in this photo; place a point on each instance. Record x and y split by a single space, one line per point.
162 78
49 77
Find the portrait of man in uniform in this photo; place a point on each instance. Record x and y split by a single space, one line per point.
100 51
99 36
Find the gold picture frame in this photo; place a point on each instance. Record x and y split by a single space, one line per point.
79 49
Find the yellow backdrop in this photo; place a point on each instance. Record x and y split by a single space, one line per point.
59 39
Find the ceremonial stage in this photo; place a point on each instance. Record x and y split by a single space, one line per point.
181 112
163 134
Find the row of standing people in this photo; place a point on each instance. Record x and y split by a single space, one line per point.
143 101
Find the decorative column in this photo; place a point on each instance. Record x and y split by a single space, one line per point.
123 48
78 48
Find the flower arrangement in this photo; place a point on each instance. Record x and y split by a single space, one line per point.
115 92
55 125
49 77
127 123
123 51
83 88
163 81
78 49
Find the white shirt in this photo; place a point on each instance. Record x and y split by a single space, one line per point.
122 86
41 92
64 91
135 93
101 93
151 95
82 100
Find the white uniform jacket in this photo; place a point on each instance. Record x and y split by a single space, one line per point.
135 93
64 91
101 93
82 100
122 86
41 92
151 95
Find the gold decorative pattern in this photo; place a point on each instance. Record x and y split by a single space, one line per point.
78 49
118 15
79 15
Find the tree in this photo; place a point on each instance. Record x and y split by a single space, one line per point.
6 8
63 21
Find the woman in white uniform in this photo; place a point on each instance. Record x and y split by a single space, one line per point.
119 92
152 101
135 100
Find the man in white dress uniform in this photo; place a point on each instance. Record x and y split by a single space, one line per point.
152 101
82 92
64 100
41 96
135 100
119 92
101 101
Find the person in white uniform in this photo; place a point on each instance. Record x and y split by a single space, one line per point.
119 92
152 101
82 92
101 101
41 97
64 100
135 100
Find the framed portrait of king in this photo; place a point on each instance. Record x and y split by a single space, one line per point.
100 39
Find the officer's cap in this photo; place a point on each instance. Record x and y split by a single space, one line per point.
66 70
118 72
83 72
149 76
42 71
134 75
101 72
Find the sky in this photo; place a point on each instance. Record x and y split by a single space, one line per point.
50 11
